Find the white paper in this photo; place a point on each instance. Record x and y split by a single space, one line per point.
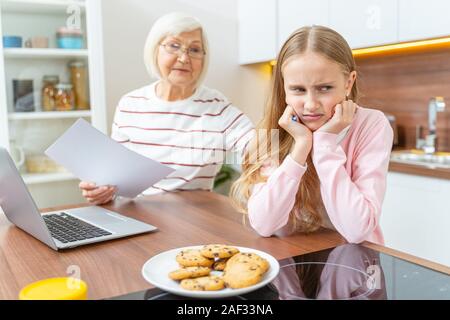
92 156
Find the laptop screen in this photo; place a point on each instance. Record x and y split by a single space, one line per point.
17 203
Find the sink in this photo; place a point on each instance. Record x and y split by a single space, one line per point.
418 157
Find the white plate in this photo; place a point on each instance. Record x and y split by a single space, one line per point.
156 271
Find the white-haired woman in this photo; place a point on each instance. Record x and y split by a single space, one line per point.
176 120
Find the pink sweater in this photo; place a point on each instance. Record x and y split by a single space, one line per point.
352 175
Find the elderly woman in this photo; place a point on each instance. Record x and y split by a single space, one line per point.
176 120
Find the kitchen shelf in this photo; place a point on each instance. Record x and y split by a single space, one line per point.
37 178
40 6
35 131
44 53
49 115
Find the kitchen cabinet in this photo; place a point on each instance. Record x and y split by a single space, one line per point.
257 31
365 23
362 23
420 19
293 14
416 216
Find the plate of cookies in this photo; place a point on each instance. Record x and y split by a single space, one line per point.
211 271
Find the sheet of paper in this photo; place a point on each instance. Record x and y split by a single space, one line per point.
92 156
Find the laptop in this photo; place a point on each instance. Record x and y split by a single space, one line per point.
59 229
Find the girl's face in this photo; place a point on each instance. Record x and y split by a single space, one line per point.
180 68
314 85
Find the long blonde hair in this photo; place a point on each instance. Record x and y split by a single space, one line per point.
332 45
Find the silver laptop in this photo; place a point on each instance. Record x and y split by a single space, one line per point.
59 229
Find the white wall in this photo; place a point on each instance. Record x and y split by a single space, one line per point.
126 24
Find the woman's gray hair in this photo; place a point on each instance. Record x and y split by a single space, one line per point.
172 24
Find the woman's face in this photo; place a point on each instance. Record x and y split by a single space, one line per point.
314 85
180 69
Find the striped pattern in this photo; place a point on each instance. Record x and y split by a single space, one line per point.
193 136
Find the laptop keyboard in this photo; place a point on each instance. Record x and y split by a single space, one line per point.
66 228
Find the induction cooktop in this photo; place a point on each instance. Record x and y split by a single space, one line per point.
341 273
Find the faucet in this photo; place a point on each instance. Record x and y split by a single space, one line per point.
435 105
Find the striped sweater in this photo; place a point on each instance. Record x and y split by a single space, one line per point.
194 136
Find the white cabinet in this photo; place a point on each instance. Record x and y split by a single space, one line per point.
34 131
416 216
264 26
420 19
293 14
365 23
257 30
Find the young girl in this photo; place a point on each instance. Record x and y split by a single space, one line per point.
334 154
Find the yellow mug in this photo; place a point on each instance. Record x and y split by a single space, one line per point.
55 289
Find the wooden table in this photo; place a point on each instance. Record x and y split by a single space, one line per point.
113 268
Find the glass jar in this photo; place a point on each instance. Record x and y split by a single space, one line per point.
64 98
23 95
48 92
78 77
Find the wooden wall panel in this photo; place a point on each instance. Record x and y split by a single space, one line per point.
402 84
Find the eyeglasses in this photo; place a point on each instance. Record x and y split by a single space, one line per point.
178 49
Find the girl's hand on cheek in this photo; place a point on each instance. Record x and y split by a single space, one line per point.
301 134
343 116
295 128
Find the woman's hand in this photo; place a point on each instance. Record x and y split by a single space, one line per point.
301 134
344 113
97 195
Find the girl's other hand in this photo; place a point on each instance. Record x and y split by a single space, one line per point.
344 113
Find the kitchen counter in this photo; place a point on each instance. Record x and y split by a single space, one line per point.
419 170
410 167
113 268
